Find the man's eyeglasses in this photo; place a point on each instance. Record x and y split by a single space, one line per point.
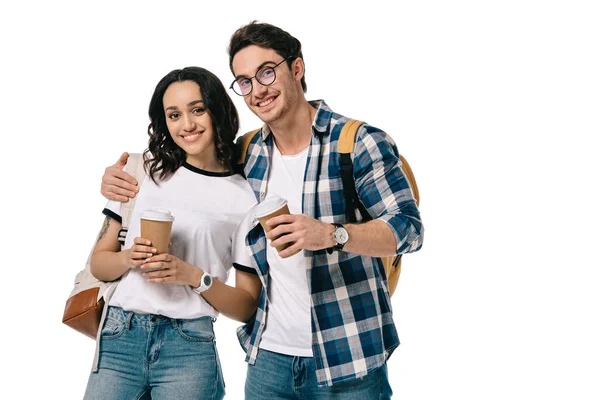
265 76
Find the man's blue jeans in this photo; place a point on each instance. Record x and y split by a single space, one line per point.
143 356
279 376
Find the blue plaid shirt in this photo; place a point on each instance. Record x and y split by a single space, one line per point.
352 325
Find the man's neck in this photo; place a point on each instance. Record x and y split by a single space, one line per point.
292 134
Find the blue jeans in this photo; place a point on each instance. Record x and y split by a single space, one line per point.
151 356
279 376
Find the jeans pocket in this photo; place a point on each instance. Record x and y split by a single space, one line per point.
196 330
113 328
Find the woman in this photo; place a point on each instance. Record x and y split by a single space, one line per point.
158 339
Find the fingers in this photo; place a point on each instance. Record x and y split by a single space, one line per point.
164 273
290 250
118 185
117 189
115 177
142 245
168 279
141 249
285 239
122 160
280 230
154 266
116 193
158 273
281 219
165 257
142 256
114 197
141 240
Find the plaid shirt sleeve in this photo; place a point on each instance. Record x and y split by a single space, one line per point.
384 189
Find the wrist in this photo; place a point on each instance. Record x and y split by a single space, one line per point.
124 259
206 281
196 277
340 236
329 240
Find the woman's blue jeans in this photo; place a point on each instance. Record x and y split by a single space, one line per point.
151 356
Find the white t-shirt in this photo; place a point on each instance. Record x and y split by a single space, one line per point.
288 327
207 207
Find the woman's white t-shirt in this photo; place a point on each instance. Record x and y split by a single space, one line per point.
208 208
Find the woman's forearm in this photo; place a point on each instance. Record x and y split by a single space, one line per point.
234 303
108 265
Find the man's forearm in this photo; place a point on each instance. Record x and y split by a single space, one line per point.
373 238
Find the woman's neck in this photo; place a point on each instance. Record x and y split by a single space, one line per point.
206 163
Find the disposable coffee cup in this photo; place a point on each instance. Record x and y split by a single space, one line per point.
269 208
156 226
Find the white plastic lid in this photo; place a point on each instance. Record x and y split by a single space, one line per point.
268 206
157 214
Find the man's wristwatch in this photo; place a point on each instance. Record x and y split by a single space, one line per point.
206 281
340 237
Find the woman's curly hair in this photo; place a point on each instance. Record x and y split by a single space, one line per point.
163 156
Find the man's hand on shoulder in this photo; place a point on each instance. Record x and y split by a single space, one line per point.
117 184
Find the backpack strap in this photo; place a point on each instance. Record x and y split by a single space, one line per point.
243 143
346 148
135 168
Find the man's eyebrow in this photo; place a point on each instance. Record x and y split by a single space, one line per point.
259 67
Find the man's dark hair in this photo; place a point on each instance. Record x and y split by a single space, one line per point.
266 36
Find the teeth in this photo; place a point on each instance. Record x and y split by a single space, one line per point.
264 103
193 135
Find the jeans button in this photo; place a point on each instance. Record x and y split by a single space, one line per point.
153 319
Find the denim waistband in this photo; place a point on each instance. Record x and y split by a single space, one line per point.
132 318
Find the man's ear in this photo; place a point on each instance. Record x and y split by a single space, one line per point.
298 68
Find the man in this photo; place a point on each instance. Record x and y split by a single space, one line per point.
324 327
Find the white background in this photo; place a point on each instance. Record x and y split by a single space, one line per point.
494 103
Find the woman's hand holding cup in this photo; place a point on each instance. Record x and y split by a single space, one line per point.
140 251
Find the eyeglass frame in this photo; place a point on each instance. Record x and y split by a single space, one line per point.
255 77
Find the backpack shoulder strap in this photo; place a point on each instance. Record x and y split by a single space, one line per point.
243 143
348 136
135 168
346 148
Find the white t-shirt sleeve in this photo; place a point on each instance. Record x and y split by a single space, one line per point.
113 210
240 254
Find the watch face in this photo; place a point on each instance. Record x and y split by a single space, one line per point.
206 280
340 235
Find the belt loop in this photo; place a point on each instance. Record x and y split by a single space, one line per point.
128 320
174 323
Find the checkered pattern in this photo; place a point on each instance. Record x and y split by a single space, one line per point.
352 325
